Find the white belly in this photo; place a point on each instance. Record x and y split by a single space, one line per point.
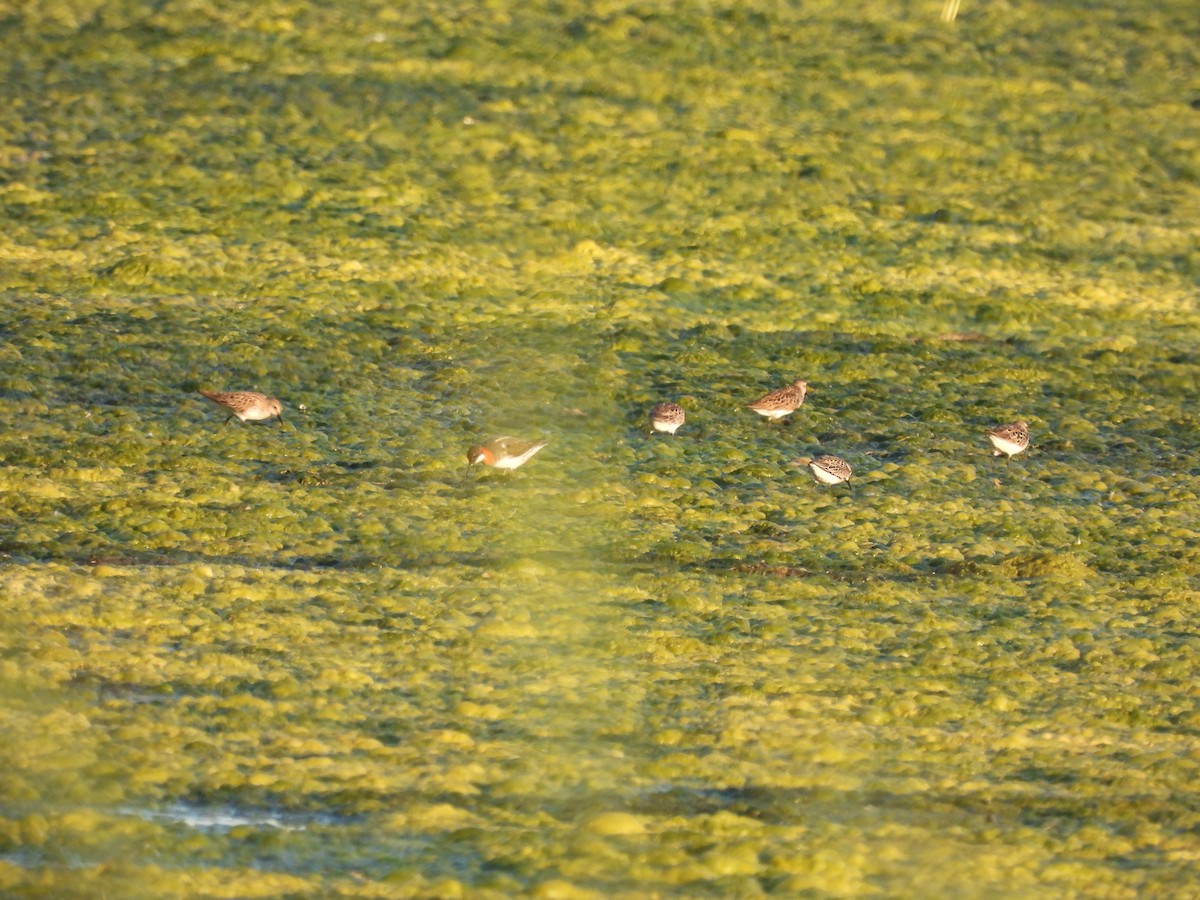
1007 447
827 477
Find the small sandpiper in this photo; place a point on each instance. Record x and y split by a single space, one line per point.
828 469
666 417
247 406
781 403
1009 440
504 452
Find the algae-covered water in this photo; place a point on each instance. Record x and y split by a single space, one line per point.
324 658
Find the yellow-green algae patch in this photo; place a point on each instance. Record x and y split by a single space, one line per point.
324 658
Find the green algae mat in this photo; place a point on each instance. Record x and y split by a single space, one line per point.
325 658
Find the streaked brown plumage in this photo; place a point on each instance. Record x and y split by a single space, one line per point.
667 417
1009 440
246 406
828 469
782 402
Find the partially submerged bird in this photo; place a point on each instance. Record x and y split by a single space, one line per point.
667 417
1009 440
504 452
247 406
782 402
828 469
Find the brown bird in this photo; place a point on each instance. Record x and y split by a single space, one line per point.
1009 440
828 469
782 402
667 417
246 405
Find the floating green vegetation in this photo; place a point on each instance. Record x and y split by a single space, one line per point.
324 658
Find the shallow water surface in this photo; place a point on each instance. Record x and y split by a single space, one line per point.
325 657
